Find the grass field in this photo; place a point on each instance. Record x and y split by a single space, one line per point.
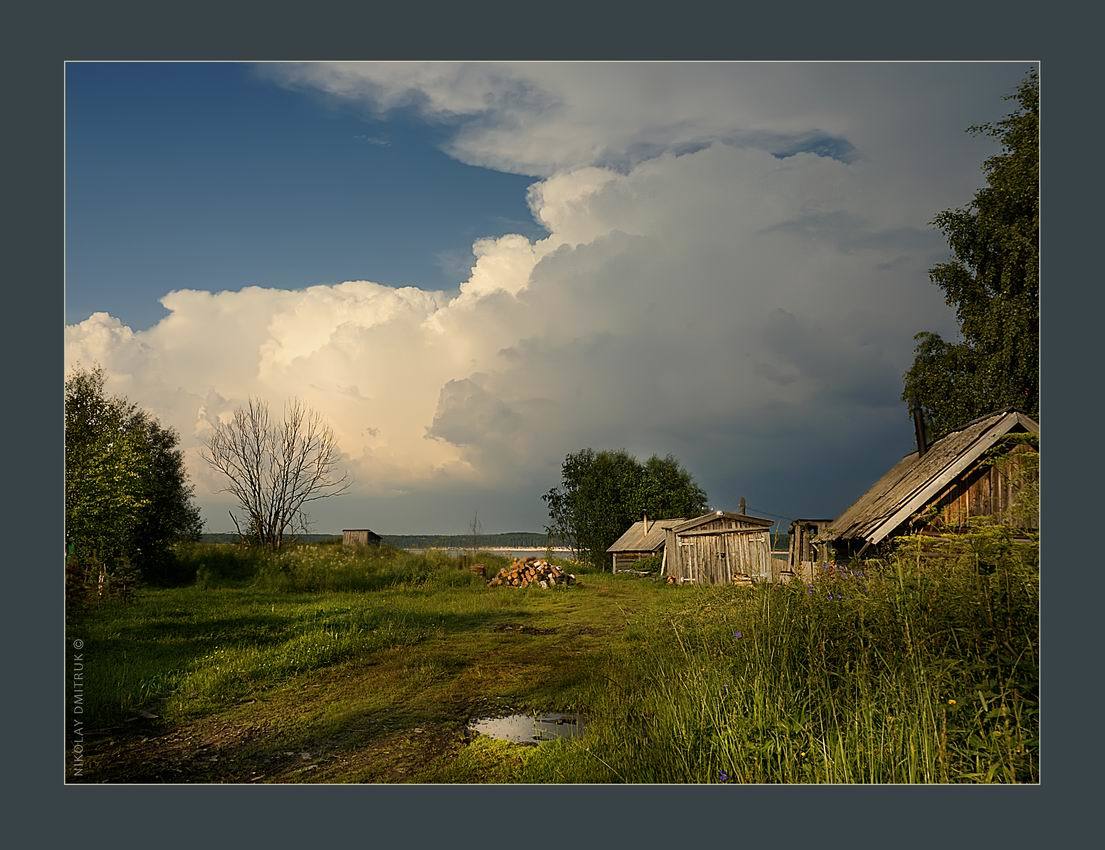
328 665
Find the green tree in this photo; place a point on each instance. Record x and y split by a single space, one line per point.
127 496
992 281
602 493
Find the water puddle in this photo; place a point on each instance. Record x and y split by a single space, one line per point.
529 728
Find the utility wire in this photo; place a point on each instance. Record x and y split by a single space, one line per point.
769 513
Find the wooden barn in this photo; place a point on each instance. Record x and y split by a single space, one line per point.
720 548
640 540
979 470
359 537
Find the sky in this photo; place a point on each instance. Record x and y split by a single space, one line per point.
472 269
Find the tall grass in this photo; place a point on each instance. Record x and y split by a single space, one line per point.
313 568
919 670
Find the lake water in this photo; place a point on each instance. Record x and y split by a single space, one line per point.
529 728
509 553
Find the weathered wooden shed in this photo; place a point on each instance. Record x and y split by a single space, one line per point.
640 540
720 548
981 469
359 537
803 554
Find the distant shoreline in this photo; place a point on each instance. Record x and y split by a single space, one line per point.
504 541
489 548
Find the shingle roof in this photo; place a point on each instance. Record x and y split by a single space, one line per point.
635 539
912 482
705 518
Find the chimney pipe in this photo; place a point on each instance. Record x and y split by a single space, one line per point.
644 518
919 430
741 510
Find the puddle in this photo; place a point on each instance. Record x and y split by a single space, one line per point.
529 728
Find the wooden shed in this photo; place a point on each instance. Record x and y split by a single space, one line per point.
803 553
640 540
359 537
979 470
720 548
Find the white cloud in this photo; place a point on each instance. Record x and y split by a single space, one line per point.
695 297
751 314
905 121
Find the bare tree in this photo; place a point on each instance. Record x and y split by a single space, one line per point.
477 527
275 468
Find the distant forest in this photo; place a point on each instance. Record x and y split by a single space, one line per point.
506 540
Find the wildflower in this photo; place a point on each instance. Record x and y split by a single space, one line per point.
951 702
738 635
722 776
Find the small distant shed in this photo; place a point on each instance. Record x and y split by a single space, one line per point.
803 553
720 548
640 540
359 537
980 469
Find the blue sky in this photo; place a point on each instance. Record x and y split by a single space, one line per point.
209 176
472 269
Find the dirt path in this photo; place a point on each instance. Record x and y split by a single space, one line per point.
396 716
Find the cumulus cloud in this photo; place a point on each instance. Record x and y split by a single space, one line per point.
684 299
698 293
904 121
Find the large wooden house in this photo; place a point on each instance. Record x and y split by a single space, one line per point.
981 469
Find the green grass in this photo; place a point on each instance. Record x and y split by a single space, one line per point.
324 664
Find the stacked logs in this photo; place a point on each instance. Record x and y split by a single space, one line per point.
526 571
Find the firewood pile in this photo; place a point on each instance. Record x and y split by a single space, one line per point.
526 571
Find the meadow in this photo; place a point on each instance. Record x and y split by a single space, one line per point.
326 664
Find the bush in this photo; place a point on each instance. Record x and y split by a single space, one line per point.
313 568
651 564
89 580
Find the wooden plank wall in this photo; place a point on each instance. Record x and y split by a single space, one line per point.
987 491
802 548
723 556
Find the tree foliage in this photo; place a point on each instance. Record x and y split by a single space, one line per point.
992 281
275 468
603 493
127 495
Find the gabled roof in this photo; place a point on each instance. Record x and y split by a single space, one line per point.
705 518
913 481
635 539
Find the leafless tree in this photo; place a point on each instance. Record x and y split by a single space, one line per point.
476 526
275 468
